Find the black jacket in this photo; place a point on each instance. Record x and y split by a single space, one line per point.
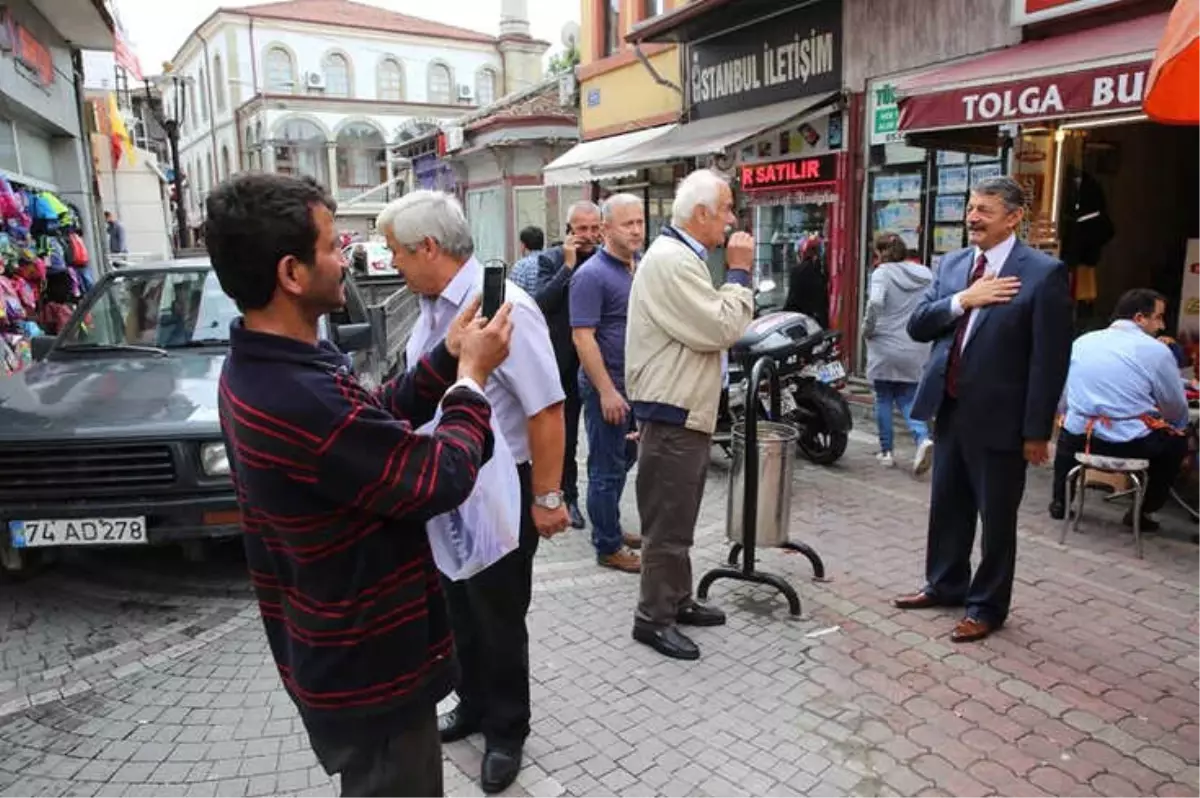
555 301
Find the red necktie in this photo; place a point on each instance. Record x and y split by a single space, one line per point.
960 332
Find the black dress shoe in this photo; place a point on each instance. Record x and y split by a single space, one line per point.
500 769
457 725
1148 523
577 521
697 614
667 640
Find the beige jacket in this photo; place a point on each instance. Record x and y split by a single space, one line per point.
678 326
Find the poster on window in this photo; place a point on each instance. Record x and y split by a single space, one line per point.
485 215
952 180
896 216
886 187
984 171
947 237
952 208
908 187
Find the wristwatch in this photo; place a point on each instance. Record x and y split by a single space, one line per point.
549 501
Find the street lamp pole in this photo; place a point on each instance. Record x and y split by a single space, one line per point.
171 126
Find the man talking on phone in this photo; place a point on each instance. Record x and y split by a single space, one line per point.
556 265
431 245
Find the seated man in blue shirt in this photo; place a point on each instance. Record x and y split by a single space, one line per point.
1124 392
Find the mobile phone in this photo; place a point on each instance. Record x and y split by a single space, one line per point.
494 274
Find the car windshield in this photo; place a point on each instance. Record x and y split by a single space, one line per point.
164 309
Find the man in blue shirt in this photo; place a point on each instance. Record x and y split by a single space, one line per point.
525 271
599 299
1124 392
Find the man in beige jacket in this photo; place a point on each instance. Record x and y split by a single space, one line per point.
679 325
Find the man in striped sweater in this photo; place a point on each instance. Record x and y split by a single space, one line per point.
334 487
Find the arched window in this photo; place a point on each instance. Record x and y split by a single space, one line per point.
203 95
485 87
300 150
218 81
212 175
361 158
192 113
250 148
391 80
440 85
224 161
337 75
280 72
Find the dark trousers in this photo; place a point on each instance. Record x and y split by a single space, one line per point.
572 407
405 761
1164 450
970 482
672 465
491 640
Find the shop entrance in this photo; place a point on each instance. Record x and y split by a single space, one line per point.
1128 206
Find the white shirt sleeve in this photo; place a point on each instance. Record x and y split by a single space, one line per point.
956 307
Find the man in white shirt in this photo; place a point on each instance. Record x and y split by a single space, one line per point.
432 247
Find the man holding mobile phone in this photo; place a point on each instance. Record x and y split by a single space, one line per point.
431 243
553 297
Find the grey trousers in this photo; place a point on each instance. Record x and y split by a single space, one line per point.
672 464
403 762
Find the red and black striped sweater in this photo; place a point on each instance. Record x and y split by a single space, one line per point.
334 489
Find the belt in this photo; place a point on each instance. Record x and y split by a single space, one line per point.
1153 423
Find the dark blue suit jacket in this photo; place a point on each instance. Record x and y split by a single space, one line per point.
1014 364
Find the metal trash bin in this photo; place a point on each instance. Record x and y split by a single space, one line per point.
776 458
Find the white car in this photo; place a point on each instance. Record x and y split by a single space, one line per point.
379 257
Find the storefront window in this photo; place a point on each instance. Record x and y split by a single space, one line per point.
300 150
781 234
8 147
530 204
36 154
361 159
485 212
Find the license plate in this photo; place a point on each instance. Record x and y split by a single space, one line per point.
76 532
832 372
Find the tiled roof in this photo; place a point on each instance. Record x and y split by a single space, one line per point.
359 15
538 100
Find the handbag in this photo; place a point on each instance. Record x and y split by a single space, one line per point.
486 526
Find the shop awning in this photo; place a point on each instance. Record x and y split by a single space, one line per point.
1097 71
1173 87
574 166
710 136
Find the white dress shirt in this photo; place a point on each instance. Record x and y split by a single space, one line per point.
997 256
526 382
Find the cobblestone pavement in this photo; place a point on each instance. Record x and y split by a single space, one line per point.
140 674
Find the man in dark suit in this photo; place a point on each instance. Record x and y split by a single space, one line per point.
999 316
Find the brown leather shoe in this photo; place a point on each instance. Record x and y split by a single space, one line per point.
622 560
917 601
968 630
631 541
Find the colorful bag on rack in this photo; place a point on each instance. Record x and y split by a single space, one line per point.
76 251
10 206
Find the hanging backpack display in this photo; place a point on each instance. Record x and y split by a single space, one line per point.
76 251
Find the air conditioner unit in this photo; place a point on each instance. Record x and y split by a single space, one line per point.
314 80
454 138
464 91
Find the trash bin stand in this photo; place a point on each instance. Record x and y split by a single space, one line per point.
747 572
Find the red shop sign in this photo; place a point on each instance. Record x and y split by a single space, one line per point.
790 174
1100 90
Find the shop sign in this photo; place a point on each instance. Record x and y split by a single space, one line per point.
885 115
794 173
1092 91
31 55
784 57
1027 12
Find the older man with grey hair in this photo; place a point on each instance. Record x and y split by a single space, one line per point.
599 308
999 317
553 281
678 329
432 247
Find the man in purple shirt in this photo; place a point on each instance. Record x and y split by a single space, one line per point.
599 300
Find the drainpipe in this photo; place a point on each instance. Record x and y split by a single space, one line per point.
99 261
212 108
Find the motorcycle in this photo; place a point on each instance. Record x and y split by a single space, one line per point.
811 375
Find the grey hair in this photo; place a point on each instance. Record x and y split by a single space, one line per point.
424 214
610 205
582 206
701 187
1009 191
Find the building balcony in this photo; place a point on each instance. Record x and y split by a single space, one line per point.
85 24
